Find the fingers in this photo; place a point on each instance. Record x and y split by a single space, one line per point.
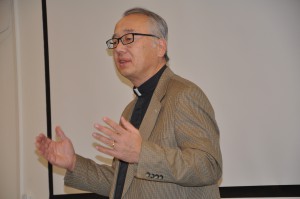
107 141
127 125
111 150
113 136
60 133
39 139
115 126
122 141
116 130
108 151
113 132
40 142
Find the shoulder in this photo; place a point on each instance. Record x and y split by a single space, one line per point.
170 80
180 85
187 94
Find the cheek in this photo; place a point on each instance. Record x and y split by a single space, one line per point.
114 53
136 54
140 54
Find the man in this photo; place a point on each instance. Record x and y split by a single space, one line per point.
167 142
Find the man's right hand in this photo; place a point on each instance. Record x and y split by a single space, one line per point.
59 153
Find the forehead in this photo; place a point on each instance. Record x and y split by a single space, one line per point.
132 23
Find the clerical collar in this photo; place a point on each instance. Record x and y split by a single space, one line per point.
149 86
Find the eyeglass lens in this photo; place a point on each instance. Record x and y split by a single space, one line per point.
125 39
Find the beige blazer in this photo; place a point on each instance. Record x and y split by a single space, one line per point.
180 155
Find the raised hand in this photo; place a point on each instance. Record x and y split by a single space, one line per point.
125 140
59 153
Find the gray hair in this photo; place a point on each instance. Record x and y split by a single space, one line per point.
160 25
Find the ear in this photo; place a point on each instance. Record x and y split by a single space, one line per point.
162 47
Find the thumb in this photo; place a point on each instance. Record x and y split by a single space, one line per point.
127 125
60 133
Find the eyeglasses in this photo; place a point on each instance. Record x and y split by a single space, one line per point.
125 39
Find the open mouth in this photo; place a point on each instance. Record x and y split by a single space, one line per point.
123 61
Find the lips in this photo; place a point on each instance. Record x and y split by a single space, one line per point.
123 61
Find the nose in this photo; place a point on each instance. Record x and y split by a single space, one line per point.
120 47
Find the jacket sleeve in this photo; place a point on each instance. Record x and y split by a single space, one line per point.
189 152
90 176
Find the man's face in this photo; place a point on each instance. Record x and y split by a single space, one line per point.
139 60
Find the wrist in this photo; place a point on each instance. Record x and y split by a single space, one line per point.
73 163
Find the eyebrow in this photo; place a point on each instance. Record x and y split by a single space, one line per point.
126 31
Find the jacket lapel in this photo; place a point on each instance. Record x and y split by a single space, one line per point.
149 120
154 107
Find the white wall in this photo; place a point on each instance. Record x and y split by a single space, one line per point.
243 54
9 142
273 50
34 178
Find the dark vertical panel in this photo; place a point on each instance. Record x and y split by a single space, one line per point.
47 85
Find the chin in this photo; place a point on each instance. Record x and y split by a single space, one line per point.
123 71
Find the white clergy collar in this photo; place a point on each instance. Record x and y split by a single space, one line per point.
137 92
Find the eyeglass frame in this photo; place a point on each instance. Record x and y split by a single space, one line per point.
120 39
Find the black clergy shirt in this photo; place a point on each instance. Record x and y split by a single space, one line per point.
144 94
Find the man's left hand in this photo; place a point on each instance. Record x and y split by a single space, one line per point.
124 140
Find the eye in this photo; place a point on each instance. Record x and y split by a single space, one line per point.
113 42
127 39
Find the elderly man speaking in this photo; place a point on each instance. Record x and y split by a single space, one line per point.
166 144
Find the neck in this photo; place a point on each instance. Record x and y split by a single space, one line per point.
139 82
